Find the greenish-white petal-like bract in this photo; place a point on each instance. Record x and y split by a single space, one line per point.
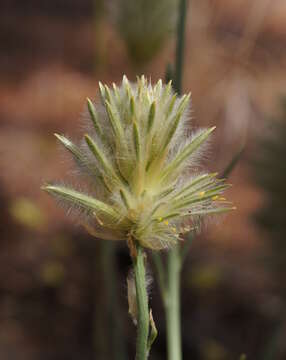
141 158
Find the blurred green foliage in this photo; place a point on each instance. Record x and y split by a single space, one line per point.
270 175
26 212
213 350
145 25
206 277
53 273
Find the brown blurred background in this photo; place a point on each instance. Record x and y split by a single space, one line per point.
62 293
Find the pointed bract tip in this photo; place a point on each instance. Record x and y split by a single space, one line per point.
47 187
101 87
62 139
58 136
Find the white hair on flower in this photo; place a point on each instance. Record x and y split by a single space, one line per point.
139 157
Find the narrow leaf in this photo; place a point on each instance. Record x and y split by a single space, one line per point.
124 199
132 106
151 116
212 211
94 116
205 184
175 121
77 154
116 94
107 167
167 91
102 92
82 200
158 87
181 203
193 183
136 140
115 122
171 105
187 151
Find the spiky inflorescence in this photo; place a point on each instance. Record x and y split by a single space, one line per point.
139 159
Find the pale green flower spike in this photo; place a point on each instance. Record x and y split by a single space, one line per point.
142 165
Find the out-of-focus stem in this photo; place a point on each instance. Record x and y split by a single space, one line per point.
100 342
99 35
113 313
157 259
172 305
228 169
108 341
180 46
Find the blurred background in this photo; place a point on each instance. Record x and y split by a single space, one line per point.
63 293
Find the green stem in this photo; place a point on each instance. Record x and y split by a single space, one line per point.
142 305
113 323
186 247
99 35
173 316
100 338
173 305
180 46
157 259
233 162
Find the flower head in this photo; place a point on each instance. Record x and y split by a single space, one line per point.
140 158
